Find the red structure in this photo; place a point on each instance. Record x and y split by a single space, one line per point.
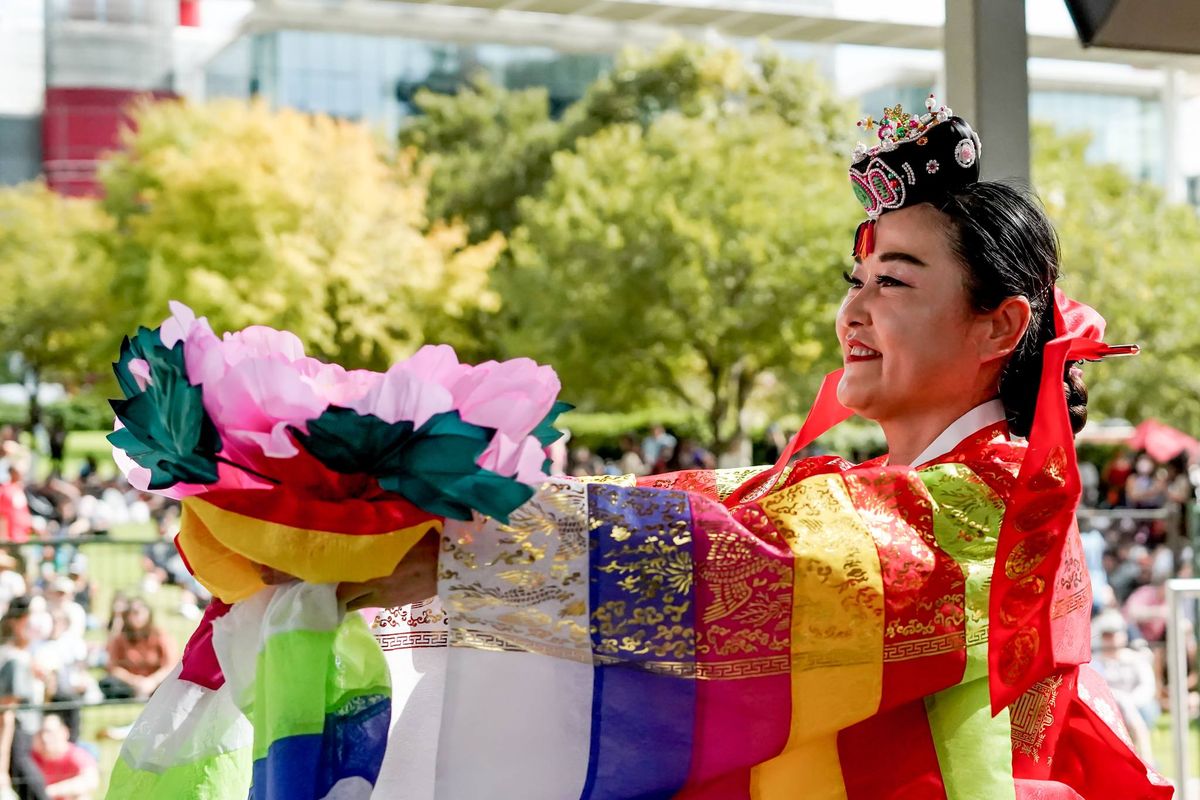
82 122
189 13
79 126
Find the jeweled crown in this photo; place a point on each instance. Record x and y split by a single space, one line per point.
897 126
919 158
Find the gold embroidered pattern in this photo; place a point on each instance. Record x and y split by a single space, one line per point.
1071 603
1032 714
837 605
642 574
524 583
730 479
412 640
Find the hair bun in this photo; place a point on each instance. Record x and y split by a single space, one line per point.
1077 396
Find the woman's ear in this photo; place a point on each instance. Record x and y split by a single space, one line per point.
1004 328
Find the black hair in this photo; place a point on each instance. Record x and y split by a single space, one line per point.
1009 248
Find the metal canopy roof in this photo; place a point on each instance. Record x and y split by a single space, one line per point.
596 25
1171 26
796 20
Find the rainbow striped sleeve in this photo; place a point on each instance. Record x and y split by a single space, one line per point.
303 711
619 642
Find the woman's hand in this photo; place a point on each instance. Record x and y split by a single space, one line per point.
414 579
271 576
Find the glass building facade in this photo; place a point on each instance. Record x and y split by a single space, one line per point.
374 79
1126 130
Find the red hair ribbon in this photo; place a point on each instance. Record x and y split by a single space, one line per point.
864 240
1026 641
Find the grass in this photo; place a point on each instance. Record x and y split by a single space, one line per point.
1164 752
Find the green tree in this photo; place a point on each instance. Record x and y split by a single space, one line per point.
683 263
55 304
635 265
490 147
276 217
1136 258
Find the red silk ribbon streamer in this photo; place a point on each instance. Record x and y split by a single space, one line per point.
825 413
1022 647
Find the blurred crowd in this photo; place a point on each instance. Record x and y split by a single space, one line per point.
1137 527
60 651
658 450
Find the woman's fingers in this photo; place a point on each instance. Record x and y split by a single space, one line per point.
350 593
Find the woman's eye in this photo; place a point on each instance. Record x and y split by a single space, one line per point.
854 282
888 280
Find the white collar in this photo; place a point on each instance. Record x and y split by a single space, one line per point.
978 418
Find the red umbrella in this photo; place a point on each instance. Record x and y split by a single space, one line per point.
1162 442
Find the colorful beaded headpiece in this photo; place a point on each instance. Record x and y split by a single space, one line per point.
917 159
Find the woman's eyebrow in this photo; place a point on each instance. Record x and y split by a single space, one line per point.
899 255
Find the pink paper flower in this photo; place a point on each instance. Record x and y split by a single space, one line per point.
520 459
258 383
254 402
511 396
140 369
403 395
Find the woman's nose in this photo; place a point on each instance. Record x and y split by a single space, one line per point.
855 309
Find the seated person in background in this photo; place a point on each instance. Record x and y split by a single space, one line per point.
140 655
1130 675
60 596
20 685
70 771
63 658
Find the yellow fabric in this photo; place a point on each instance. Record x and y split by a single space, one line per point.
837 635
222 546
966 524
810 770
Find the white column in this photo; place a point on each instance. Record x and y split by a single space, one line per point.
987 80
1173 98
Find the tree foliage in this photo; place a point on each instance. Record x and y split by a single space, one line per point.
1133 255
490 147
281 218
684 262
677 232
55 304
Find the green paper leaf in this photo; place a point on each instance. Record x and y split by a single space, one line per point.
545 432
434 467
348 442
166 428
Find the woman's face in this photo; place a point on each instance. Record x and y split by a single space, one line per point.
909 337
139 615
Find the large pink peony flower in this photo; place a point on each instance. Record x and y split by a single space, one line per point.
258 382
402 394
511 396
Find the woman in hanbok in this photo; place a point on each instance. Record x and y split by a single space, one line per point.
910 627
